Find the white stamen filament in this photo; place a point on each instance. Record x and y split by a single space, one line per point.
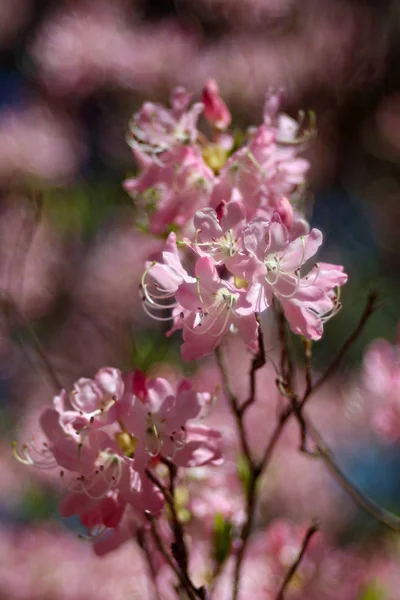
85 483
47 460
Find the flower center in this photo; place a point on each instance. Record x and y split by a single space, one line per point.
127 443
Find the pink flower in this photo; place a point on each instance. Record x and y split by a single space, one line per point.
274 271
287 131
172 192
166 275
103 461
262 172
95 397
215 109
160 422
218 233
214 307
155 129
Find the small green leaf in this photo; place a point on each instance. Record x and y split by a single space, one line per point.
222 538
244 473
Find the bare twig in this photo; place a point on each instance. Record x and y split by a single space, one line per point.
179 550
370 307
370 506
186 583
307 539
257 363
152 571
234 404
276 434
20 319
254 469
307 346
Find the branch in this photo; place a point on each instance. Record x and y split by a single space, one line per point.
152 571
186 583
276 434
370 506
307 539
237 413
10 309
370 308
258 362
307 346
178 548
255 470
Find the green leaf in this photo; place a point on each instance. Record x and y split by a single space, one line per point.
244 473
222 538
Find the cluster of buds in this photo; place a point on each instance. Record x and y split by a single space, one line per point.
104 437
248 243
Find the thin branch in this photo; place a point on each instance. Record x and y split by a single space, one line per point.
307 539
146 553
283 362
234 405
179 550
370 308
255 469
257 363
370 506
276 434
186 583
10 308
307 346
245 532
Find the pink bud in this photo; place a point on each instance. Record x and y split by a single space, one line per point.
285 211
220 210
215 109
139 385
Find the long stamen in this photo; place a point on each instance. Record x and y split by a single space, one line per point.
226 320
277 270
307 282
296 288
214 316
164 293
162 319
158 306
26 458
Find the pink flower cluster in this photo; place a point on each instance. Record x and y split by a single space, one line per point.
182 170
249 245
106 434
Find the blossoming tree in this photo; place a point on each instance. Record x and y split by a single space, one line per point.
236 250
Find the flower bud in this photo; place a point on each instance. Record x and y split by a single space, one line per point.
215 109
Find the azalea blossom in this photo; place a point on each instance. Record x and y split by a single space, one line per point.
214 307
218 232
155 129
171 192
106 434
274 270
262 172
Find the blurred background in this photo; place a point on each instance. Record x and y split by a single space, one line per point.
71 74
